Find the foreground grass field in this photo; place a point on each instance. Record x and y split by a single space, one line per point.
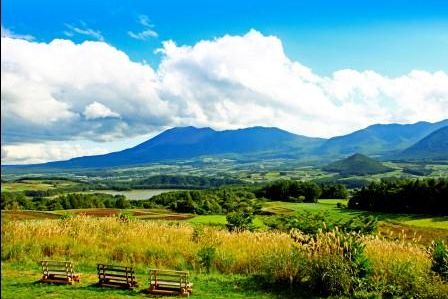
19 282
425 229
237 260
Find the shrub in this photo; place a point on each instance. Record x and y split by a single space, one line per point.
239 221
439 259
330 275
313 223
206 255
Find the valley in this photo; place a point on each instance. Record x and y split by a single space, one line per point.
247 214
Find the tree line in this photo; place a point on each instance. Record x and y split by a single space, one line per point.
18 201
212 201
300 191
422 196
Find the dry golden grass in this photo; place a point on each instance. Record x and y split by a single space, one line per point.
88 240
403 264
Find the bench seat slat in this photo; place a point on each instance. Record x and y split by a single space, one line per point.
170 283
115 279
116 270
168 275
111 267
106 275
57 272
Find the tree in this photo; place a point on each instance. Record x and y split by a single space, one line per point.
239 221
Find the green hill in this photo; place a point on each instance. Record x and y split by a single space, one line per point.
432 147
357 164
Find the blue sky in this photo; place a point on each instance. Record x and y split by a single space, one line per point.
123 71
391 37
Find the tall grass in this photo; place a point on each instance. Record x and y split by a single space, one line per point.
142 243
329 261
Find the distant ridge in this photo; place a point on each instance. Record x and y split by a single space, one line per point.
357 164
379 139
189 142
392 141
432 147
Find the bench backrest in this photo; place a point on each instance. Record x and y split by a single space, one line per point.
181 277
117 273
63 268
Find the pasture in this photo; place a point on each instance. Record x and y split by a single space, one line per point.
257 264
244 265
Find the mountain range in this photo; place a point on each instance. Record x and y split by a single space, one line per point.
419 141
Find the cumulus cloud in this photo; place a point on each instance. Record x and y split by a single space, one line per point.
47 151
147 33
97 110
228 82
47 90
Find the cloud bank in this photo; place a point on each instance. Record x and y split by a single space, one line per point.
61 91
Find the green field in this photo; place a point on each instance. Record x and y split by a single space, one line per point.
427 228
237 268
20 282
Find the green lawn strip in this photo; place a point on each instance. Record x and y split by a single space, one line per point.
220 220
329 206
21 282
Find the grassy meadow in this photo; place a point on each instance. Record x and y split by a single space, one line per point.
271 256
263 263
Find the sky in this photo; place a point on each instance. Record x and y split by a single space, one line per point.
90 77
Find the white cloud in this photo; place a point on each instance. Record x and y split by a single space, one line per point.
97 110
5 32
47 151
145 21
228 82
147 32
83 30
47 87
144 35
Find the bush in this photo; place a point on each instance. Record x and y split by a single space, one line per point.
330 275
239 221
206 255
439 259
312 223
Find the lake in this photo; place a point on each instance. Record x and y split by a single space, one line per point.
136 194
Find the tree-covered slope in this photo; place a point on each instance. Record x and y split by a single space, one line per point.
379 139
357 164
190 142
432 147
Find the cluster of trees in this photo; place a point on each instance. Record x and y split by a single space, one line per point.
298 191
164 181
312 223
425 196
336 191
183 181
213 201
18 201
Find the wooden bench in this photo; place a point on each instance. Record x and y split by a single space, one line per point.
168 282
58 272
116 276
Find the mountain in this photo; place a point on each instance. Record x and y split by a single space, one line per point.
190 142
432 147
357 164
379 139
393 141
